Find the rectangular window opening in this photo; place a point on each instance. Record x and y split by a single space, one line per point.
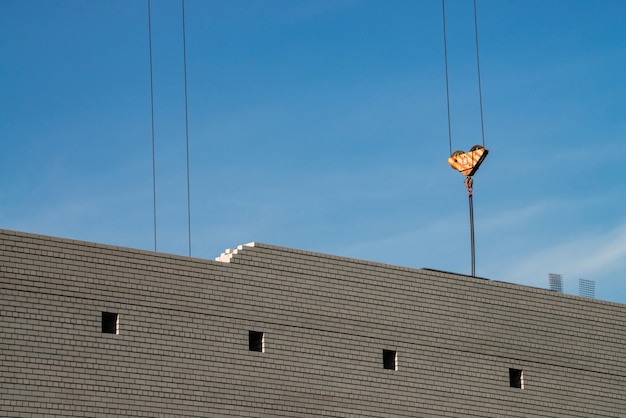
390 360
516 378
110 323
256 341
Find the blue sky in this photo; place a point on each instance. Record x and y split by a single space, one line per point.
321 125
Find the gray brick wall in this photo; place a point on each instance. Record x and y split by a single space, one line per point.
182 348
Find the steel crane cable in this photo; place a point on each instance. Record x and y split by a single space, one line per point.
186 128
445 56
468 181
469 184
480 90
152 115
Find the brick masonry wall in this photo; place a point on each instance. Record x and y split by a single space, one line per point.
182 348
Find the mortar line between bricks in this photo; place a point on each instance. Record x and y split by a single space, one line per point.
352 334
563 334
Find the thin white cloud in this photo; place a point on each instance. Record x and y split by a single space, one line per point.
517 216
597 255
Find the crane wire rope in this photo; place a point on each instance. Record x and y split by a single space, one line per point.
468 181
480 89
482 128
445 56
471 216
186 130
152 116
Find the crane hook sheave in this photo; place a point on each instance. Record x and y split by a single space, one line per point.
467 163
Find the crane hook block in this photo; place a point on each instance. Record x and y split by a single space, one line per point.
467 163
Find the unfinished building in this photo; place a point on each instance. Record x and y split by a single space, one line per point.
92 330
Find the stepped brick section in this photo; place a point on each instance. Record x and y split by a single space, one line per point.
229 253
91 330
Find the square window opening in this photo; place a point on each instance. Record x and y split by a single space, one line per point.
256 341
110 322
390 360
516 378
